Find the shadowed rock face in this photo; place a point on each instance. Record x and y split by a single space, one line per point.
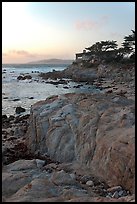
95 130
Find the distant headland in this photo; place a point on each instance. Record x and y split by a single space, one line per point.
52 61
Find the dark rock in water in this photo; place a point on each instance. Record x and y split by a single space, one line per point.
4 117
19 109
27 77
52 82
24 77
62 81
31 97
36 80
5 97
35 72
66 87
20 77
16 99
78 86
51 75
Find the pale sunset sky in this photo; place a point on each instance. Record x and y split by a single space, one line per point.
34 31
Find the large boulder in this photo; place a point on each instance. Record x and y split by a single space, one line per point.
95 130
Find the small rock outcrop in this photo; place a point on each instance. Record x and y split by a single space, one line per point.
19 110
20 77
76 73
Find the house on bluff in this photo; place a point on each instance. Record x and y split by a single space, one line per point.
85 56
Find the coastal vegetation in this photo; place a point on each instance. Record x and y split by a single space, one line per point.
108 51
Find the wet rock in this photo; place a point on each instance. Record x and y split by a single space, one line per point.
65 87
24 77
28 77
62 81
78 86
52 82
19 110
16 99
20 77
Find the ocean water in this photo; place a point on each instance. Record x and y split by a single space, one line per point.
25 93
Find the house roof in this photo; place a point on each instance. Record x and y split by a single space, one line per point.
86 53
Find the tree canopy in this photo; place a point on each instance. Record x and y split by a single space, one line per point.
108 50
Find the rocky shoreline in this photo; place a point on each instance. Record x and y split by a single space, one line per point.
74 147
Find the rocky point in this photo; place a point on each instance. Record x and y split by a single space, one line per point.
74 147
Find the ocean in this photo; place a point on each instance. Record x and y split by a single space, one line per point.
26 92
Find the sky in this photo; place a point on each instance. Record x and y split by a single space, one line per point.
34 31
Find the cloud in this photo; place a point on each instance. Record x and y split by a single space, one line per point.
91 24
17 56
21 53
86 25
21 56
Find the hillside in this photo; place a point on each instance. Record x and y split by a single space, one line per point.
52 61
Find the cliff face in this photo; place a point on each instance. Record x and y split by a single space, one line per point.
95 130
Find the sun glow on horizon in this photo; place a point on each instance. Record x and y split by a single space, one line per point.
37 30
21 32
